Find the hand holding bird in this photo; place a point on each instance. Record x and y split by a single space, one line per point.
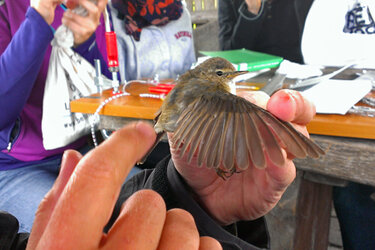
212 129
254 192
225 132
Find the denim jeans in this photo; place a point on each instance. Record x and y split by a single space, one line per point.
356 214
22 189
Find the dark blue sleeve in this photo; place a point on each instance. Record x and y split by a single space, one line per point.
20 61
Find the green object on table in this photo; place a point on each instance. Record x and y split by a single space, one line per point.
245 59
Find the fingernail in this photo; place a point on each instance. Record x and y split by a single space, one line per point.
287 96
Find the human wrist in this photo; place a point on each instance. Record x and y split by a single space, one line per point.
44 12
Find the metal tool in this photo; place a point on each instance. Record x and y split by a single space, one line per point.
274 84
362 111
315 80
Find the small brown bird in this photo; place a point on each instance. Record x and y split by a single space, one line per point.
224 131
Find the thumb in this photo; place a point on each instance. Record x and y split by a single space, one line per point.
291 106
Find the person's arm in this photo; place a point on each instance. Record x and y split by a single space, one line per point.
20 59
238 27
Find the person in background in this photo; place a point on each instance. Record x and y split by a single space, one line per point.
269 26
154 39
346 32
27 169
74 212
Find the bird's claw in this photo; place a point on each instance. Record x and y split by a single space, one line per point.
226 174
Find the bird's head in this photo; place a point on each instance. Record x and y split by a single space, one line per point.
217 69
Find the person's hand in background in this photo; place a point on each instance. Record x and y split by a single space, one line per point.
84 26
253 192
75 211
46 8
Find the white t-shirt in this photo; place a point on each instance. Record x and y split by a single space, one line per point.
167 51
338 32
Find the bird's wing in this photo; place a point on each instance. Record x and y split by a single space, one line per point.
229 132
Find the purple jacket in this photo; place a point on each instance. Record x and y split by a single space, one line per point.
24 57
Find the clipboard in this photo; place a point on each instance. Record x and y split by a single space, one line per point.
244 59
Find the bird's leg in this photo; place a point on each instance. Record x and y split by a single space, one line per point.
226 174
221 173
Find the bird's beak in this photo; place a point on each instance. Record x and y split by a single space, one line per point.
233 74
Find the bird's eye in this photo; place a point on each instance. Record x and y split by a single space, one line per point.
219 73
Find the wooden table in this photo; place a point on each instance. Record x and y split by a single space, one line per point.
347 141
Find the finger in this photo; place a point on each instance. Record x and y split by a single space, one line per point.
77 23
140 223
290 105
259 98
88 199
101 4
81 33
208 243
69 161
92 9
179 231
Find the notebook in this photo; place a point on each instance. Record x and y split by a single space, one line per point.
244 59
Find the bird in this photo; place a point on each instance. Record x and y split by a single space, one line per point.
224 131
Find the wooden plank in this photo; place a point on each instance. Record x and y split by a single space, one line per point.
313 216
346 158
125 106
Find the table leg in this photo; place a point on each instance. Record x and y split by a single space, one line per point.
313 216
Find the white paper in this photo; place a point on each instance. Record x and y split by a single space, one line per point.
337 96
299 71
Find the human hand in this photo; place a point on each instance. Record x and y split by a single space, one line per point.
46 8
84 26
79 205
254 192
253 6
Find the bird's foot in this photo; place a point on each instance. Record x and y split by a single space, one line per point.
224 174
